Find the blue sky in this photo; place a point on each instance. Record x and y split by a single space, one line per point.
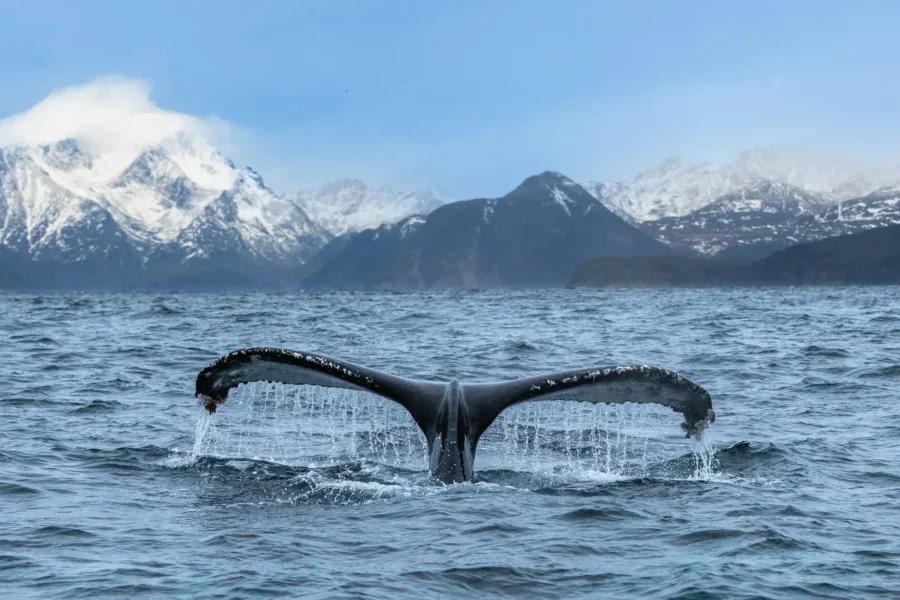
475 96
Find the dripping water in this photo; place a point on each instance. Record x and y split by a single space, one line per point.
311 427
316 427
582 438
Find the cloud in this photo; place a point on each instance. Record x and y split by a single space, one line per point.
108 116
114 119
599 137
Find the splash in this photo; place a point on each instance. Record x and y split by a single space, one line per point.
200 433
319 428
589 442
311 427
704 454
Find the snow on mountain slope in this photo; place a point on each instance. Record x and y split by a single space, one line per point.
809 170
96 182
160 197
676 187
33 206
765 197
45 221
268 225
868 181
351 205
878 209
533 236
756 221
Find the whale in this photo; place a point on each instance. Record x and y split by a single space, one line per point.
453 415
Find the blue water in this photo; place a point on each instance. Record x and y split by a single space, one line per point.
113 483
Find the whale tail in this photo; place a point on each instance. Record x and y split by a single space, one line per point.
453 416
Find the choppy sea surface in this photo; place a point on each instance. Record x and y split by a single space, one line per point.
115 484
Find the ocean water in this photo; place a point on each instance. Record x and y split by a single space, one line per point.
115 484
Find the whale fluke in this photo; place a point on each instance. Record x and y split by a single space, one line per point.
453 416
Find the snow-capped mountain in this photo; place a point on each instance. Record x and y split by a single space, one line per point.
677 187
178 204
533 236
765 217
878 209
348 205
672 188
868 181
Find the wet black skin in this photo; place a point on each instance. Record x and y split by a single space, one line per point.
451 445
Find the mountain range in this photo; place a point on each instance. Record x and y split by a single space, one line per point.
533 236
868 257
677 187
764 217
178 214
349 205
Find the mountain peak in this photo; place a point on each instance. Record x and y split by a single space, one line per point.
254 175
532 236
348 205
546 181
670 166
65 155
152 165
552 178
